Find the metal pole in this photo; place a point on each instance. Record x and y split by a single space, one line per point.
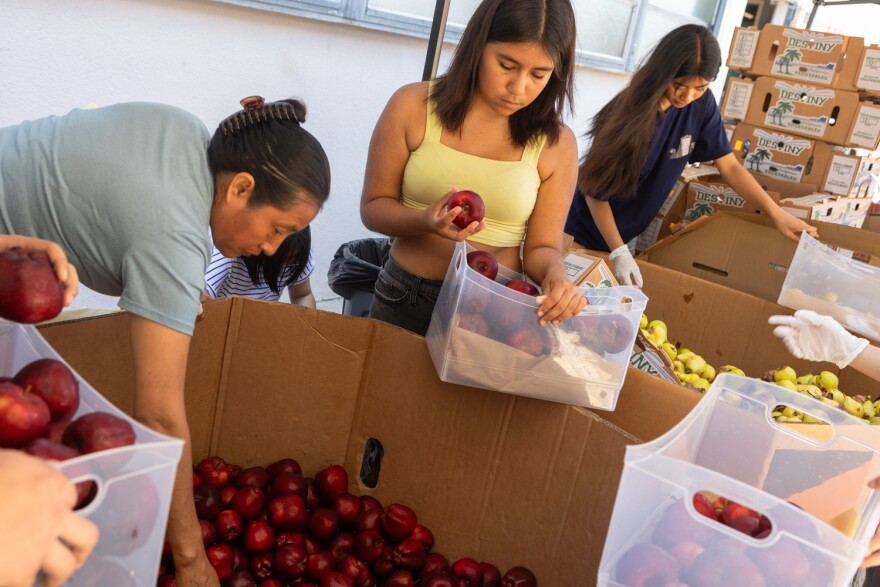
816 4
435 42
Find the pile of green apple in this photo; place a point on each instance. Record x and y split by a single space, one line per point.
823 387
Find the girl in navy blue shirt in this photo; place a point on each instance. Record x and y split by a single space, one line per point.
643 139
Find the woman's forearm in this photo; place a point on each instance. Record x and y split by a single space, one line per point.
604 219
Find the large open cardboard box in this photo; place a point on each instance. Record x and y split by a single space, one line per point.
745 251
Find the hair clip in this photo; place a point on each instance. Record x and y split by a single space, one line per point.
252 103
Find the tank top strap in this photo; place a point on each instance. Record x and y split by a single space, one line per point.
533 150
433 127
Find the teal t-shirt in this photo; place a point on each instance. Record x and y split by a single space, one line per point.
126 191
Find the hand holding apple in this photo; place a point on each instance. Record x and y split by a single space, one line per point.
30 290
440 218
472 208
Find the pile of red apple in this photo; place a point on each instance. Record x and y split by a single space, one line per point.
37 406
517 324
29 290
273 527
685 553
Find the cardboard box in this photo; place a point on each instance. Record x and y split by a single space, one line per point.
838 117
711 194
586 269
745 251
872 221
785 189
672 211
856 211
821 207
795 159
810 56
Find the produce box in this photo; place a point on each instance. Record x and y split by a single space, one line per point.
746 252
788 158
588 270
485 334
834 116
711 194
810 56
872 220
832 283
495 476
792 496
823 207
133 483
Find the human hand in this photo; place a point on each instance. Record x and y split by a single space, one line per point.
625 267
560 298
792 227
65 272
438 220
197 573
39 532
808 335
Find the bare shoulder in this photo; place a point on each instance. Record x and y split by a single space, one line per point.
410 98
406 113
561 153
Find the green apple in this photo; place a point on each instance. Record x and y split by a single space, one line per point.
678 366
805 379
731 369
643 322
709 373
828 380
670 350
786 373
852 406
787 384
695 364
810 390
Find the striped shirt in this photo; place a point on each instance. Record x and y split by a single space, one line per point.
229 277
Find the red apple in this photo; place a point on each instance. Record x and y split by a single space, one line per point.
645 565
252 477
468 571
423 535
369 502
734 511
323 523
473 322
519 577
484 263
228 526
399 578
257 537
214 471
289 562
340 546
312 498
23 416
368 545
47 449
783 563
53 381
438 579
271 583
288 483
226 495
287 512
239 559
261 564
472 208
331 481
248 502
369 520
685 553
220 557
209 534
721 567
29 290
283 466
522 286
208 502
318 565
98 431
529 339
745 524
704 506
243 578
334 579
347 507
616 334
677 525
491 575
350 566
435 562
409 554
398 522
55 433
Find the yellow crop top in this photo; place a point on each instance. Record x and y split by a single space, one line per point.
508 188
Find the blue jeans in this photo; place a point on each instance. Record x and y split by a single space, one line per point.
404 299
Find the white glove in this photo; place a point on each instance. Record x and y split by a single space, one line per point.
813 337
626 270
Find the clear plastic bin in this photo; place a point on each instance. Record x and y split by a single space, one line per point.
133 483
484 334
832 283
729 446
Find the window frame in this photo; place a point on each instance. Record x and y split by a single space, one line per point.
358 13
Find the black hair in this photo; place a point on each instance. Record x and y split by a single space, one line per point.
268 141
269 269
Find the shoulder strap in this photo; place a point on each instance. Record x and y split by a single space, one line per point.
533 150
433 128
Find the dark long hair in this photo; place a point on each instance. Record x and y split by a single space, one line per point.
623 129
269 269
268 142
547 22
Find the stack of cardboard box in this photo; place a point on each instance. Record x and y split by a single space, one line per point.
807 113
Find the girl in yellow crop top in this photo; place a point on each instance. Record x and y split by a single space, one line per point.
493 124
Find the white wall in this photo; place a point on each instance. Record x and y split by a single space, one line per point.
205 56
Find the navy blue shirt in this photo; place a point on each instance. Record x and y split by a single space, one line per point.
692 134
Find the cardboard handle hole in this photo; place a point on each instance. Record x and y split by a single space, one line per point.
371 463
810 426
710 269
721 510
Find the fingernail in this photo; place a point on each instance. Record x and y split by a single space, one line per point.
541 312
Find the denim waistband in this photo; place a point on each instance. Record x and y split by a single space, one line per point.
411 280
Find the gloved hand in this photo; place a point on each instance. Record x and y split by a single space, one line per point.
625 268
813 337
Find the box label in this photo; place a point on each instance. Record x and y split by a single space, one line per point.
760 160
650 235
674 194
791 63
706 195
841 174
651 364
869 74
783 113
866 130
736 102
742 49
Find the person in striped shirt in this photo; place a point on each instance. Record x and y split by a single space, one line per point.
264 277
